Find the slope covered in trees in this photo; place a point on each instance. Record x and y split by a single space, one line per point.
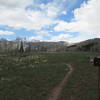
92 45
19 45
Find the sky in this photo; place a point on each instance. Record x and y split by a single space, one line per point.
50 20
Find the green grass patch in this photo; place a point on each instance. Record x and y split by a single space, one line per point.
33 76
28 77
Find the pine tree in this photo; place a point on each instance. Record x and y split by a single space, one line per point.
21 49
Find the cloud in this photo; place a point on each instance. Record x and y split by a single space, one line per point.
61 37
20 18
64 12
44 33
19 14
53 9
57 7
36 38
86 20
13 13
16 13
81 37
6 32
15 3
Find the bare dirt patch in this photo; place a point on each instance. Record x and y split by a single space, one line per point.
56 92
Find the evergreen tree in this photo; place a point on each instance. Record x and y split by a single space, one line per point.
21 49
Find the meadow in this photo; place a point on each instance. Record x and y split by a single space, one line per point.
31 76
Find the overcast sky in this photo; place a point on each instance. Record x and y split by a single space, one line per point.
50 20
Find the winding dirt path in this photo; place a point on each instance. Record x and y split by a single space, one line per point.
56 92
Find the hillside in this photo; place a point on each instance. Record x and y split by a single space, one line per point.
88 45
37 46
28 46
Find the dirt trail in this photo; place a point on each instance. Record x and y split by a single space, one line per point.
56 92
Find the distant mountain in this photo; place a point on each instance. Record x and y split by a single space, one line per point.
34 45
38 46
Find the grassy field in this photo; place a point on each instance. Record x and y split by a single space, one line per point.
33 76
